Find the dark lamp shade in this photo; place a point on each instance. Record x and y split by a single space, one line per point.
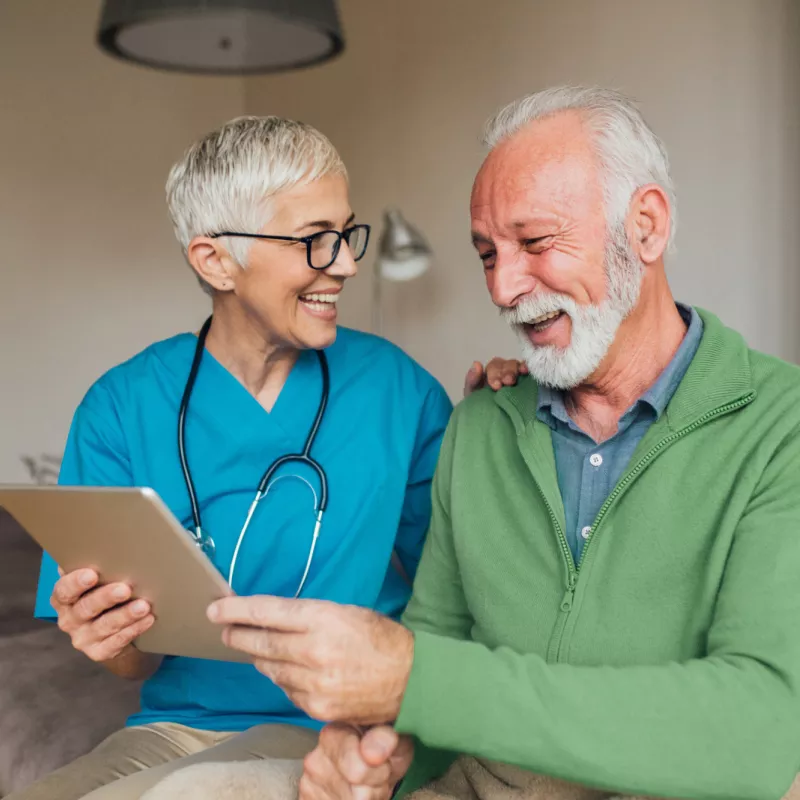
222 37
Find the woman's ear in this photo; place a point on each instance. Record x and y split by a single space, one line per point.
212 262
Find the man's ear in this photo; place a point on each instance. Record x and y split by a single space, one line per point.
212 262
650 221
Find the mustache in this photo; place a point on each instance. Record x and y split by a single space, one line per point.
531 307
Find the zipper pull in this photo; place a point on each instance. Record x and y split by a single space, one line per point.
566 602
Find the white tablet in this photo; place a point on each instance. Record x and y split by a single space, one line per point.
129 535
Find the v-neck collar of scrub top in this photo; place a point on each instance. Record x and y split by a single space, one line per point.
294 409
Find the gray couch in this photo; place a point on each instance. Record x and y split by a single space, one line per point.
55 704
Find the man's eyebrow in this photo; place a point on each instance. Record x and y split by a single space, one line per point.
526 223
479 238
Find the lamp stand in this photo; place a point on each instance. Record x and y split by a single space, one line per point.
377 300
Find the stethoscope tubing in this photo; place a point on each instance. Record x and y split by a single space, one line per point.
203 539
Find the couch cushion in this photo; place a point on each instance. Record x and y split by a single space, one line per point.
55 705
19 572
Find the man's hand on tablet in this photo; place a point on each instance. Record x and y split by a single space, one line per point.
102 622
338 663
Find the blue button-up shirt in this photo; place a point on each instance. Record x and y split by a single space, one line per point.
587 471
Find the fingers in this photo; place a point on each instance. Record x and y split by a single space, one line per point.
372 793
107 625
343 746
382 743
379 744
335 770
501 372
309 789
357 771
72 586
474 379
97 601
98 625
268 645
78 604
321 780
401 758
113 645
263 611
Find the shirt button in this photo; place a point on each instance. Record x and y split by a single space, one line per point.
586 531
595 459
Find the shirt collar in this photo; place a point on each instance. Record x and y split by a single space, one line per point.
550 406
550 402
661 392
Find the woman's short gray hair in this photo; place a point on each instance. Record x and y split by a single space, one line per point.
630 153
225 181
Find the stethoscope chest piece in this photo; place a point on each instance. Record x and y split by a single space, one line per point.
204 541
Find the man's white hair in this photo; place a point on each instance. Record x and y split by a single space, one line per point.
630 154
225 181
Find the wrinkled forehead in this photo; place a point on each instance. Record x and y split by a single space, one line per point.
551 165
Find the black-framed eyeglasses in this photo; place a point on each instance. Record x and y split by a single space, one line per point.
322 248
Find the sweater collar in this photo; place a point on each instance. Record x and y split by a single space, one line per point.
719 375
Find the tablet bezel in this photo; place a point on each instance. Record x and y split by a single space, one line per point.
128 534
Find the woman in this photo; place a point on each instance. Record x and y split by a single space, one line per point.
261 210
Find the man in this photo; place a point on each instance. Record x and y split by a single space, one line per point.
608 599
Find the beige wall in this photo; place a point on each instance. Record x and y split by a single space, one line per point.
90 270
407 101
91 273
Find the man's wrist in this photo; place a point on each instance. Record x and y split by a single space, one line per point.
133 664
405 664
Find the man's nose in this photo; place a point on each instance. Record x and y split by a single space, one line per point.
510 280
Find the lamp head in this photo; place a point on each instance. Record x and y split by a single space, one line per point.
403 253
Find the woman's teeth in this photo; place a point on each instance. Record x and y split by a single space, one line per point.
319 302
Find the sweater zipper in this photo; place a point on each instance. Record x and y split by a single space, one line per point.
572 578
573 569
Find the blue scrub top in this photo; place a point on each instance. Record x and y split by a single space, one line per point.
378 443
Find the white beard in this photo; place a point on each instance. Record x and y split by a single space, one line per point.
594 327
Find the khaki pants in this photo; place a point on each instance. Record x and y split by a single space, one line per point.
133 760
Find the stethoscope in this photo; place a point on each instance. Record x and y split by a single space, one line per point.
201 538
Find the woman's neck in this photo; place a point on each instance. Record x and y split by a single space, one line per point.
261 365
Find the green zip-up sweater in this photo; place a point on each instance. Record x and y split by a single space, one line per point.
668 662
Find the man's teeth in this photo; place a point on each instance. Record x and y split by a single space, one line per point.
545 317
319 302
